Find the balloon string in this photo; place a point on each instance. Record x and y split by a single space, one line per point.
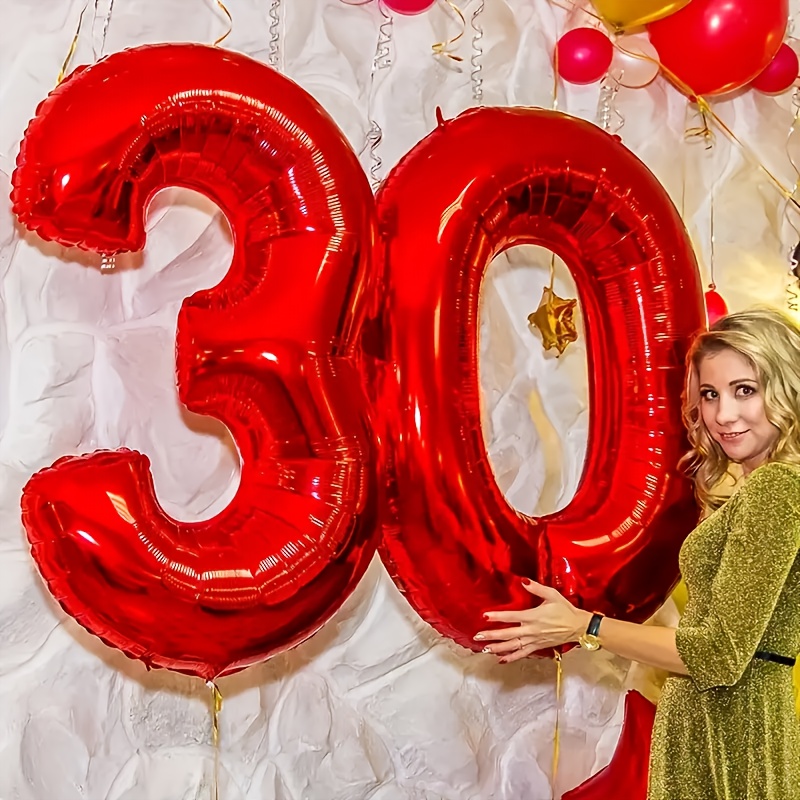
274 57
227 13
793 287
575 7
476 76
216 708
787 193
381 61
106 22
443 48
712 257
557 731
608 116
65 66
105 27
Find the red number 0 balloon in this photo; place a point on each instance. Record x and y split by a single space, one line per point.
491 179
272 351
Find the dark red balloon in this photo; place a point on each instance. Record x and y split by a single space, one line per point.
780 74
477 185
272 351
716 46
627 773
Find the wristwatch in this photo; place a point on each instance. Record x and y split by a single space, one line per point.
589 640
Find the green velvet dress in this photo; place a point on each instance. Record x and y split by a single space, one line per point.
729 730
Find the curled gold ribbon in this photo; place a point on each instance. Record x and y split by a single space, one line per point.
216 708
476 75
443 48
71 52
557 732
227 13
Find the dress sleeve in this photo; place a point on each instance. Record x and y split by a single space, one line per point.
760 550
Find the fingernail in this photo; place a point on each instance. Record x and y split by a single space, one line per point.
502 661
526 581
479 636
485 616
486 650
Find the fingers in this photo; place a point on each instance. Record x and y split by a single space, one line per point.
518 655
501 648
508 616
498 635
538 589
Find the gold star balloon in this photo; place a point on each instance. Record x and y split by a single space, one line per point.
555 320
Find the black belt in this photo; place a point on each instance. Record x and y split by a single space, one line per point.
764 656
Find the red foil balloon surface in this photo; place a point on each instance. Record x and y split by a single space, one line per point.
717 46
272 352
626 775
486 181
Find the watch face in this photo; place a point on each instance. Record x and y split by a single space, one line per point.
589 642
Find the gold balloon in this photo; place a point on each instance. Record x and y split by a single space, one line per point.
554 319
622 14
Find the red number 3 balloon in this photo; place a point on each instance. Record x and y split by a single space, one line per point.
484 182
272 351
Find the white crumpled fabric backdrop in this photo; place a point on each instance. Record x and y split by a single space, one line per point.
376 705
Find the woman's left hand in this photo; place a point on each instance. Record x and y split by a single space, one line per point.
555 622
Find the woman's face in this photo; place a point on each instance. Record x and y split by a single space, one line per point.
732 408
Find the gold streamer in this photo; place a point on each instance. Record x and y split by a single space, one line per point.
557 732
574 7
476 75
216 708
227 33
442 48
787 193
65 66
793 287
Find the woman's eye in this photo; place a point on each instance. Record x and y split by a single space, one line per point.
708 394
745 391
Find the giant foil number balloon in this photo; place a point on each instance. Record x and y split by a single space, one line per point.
272 352
477 185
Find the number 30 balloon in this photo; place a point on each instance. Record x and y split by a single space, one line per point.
272 351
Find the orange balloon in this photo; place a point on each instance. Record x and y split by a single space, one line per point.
622 14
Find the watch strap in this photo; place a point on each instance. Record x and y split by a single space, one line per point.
593 628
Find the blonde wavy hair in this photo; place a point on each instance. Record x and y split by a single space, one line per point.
770 341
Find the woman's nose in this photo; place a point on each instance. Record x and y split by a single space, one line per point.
727 411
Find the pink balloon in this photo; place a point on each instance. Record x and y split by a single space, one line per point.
409 7
583 55
780 73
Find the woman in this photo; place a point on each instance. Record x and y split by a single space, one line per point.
726 727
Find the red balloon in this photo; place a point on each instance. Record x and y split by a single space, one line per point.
780 73
272 351
716 306
489 180
409 7
716 46
626 774
583 55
